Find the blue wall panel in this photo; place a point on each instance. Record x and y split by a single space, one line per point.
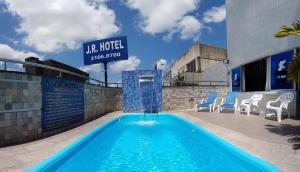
142 96
236 79
279 66
63 103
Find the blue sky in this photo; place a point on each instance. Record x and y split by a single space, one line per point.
155 29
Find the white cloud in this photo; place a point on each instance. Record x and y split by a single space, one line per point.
165 16
53 25
215 14
9 53
124 65
190 28
94 68
162 64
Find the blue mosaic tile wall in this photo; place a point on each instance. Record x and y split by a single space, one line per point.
142 97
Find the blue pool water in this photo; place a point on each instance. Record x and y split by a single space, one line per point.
162 142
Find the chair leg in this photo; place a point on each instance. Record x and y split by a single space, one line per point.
278 115
288 113
266 111
248 110
235 109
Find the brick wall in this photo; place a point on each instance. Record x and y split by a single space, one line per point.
175 98
20 107
100 100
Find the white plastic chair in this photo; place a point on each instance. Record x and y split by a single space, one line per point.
253 101
284 100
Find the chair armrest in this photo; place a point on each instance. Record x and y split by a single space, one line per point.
246 101
254 103
269 102
202 101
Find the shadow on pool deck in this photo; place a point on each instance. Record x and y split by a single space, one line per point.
288 130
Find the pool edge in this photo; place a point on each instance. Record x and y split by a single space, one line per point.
48 163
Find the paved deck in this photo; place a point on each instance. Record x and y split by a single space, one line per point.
277 143
267 139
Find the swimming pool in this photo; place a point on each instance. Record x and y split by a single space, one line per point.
162 142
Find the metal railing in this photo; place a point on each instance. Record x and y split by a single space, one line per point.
61 71
195 83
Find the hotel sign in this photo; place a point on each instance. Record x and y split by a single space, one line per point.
105 50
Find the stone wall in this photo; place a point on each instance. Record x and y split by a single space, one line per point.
21 104
100 100
176 98
20 107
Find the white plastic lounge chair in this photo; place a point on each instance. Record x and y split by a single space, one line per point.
247 103
284 101
209 103
230 102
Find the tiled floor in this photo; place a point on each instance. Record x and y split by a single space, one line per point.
274 142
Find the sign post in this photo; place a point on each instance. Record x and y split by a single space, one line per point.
104 51
105 73
298 97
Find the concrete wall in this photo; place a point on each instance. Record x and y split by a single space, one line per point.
251 25
176 98
204 55
216 72
21 104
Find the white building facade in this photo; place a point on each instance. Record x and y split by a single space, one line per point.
258 60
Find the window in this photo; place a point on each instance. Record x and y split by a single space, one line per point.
255 76
191 67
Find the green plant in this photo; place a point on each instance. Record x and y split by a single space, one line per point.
289 30
294 66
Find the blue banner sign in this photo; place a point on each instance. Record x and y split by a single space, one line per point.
236 79
63 103
279 66
105 50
